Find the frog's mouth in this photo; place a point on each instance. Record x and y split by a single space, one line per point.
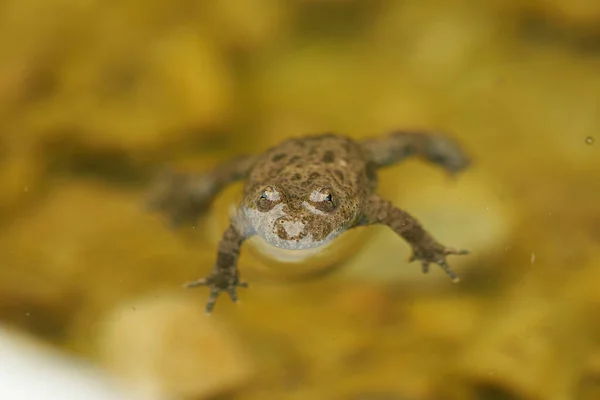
292 234
282 231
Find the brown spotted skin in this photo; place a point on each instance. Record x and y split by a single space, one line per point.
305 192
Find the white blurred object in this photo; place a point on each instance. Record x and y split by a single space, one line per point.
30 372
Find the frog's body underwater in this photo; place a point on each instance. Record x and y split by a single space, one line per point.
303 193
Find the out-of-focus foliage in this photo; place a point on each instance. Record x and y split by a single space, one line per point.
96 95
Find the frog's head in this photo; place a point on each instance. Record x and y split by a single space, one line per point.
298 217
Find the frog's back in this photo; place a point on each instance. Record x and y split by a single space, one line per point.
335 159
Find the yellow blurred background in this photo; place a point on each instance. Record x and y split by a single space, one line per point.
95 96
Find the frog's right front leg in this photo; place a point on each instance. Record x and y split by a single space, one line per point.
184 197
224 276
425 247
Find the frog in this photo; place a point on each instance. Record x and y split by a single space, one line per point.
305 192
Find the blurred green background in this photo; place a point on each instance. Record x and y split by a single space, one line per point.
96 95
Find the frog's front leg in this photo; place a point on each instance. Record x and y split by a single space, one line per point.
184 197
425 248
224 276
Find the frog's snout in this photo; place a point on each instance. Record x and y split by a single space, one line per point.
289 229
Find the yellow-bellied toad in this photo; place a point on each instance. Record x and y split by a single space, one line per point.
305 192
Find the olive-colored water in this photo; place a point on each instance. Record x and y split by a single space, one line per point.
95 96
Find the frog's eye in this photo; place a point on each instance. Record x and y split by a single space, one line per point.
321 195
325 196
324 199
267 199
270 194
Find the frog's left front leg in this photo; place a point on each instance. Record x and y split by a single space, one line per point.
224 276
425 247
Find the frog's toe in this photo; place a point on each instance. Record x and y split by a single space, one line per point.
444 265
212 299
198 282
456 252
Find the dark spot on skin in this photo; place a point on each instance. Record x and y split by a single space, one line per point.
300 143
281 232
278 157
296 177
328 157
314 175
294 159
